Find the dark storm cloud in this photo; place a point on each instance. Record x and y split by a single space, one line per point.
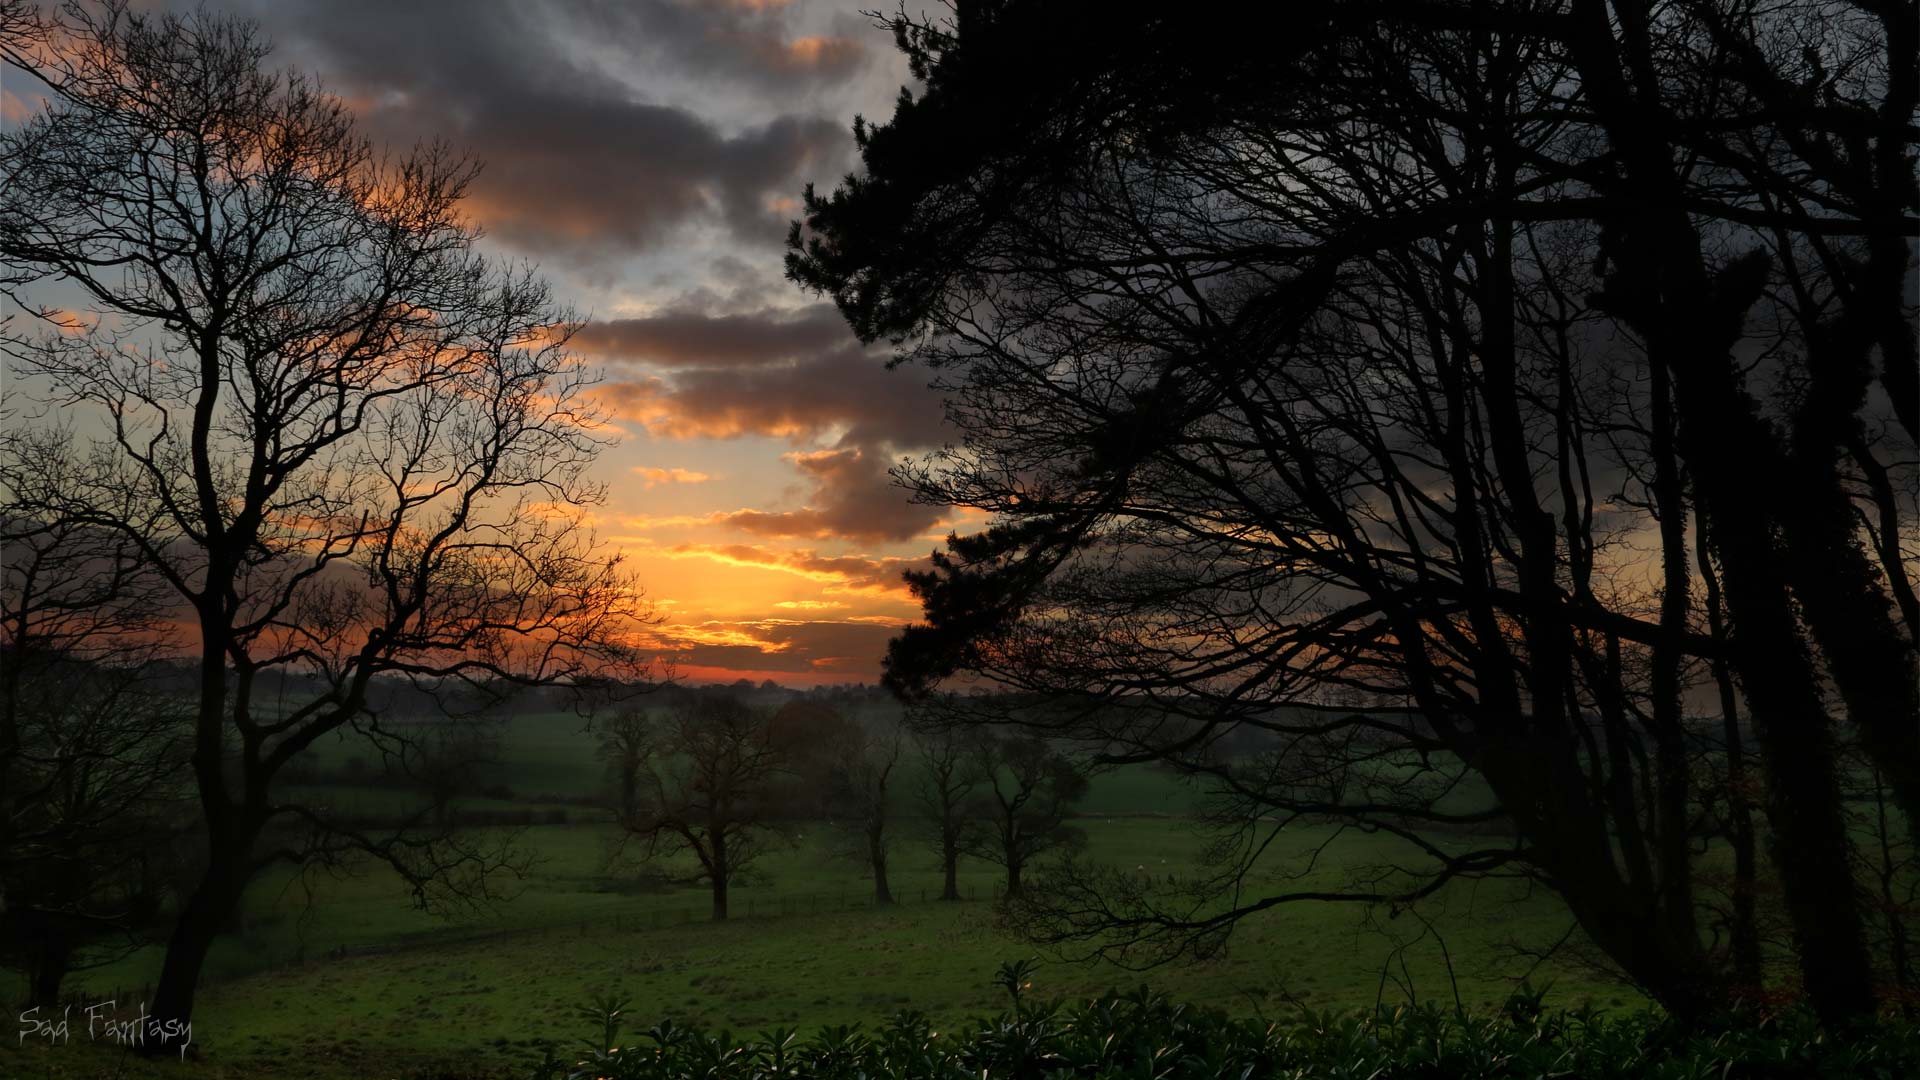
576 160
696 339
845 388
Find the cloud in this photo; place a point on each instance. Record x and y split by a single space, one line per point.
853 497
578 160
793 374
750 42
841 574
695 339
653 477
844 647
848 390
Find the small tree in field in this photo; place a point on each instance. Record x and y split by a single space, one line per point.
709 785
1020 813
625 740
948 776
858 795
350 448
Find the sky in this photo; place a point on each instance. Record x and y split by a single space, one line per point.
648 156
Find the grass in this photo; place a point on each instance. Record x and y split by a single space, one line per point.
415 988
332 977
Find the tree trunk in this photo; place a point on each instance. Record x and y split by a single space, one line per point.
1899 951
877 855
48 968
199 922
1811 843
1013 874
950 865
1812 846
229 845
1623 915
1690 320
629 790
1745 932
720 871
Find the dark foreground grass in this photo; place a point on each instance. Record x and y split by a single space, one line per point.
331 978
285 1000
494 1004
1139 1034
1145 1035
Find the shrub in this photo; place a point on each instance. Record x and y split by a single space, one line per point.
1143 1034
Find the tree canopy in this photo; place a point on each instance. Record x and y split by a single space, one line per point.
1500 415
349 446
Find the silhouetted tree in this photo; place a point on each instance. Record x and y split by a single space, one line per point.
1026 790
625 743
92 744
713 784
1355 389
948 776
443 759
349 446
859 799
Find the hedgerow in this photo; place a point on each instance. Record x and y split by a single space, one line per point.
1142 1035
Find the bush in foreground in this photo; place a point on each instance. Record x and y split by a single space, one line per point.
1144 1035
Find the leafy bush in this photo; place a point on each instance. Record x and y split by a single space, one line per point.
1144 1035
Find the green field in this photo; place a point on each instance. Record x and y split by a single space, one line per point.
337 976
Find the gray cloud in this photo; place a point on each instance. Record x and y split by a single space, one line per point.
844 387
695 339
576 161
692 374
853 498
853 648
741 40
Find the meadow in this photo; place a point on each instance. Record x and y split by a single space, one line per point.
337 976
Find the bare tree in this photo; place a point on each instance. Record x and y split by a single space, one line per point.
711 784
859 798
443 759
350 447
1361 394
948 775
1027 790
625 742
92 742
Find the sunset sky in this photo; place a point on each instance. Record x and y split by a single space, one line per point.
648 156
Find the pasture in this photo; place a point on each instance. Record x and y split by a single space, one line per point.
335 976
